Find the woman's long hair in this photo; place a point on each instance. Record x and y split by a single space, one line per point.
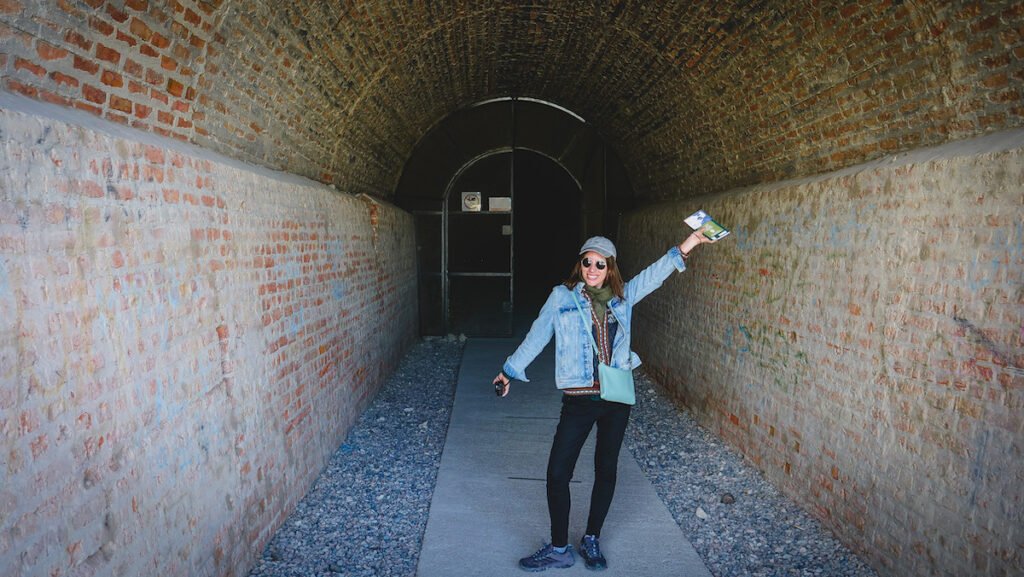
614 279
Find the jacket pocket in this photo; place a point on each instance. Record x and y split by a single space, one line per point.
568 343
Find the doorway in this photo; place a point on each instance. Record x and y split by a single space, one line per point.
548 230
483 269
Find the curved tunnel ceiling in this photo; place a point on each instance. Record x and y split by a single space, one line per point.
695 97
496 126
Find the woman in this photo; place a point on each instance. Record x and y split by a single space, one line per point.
594 289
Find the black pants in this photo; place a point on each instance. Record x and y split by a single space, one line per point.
579 414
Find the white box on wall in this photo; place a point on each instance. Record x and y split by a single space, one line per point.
499 203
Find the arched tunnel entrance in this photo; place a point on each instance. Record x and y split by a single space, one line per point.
503 193
224 224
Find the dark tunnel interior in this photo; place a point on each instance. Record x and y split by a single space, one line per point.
502 194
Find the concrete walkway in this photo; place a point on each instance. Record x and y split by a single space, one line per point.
489 507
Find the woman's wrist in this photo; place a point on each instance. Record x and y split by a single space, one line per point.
693 241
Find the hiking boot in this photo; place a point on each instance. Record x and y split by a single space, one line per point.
590 550
547 558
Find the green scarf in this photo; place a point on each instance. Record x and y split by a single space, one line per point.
599 298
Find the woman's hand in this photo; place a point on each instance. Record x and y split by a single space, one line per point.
692 241
501 378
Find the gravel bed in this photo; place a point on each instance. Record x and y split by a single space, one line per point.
367 511
760 533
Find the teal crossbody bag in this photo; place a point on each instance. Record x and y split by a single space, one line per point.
616 384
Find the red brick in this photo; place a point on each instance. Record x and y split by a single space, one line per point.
142 111
88 108
91 189
996 81
174 87
171 195
160 41
160 96
141 29
10 7
131 41
93 94
179 30
985 24
111 78
52 98
133 68
73 37
108 54
154 78
101 26
62 79
39 446
155 155
192 18
168 63
86 65
148 50
120 104
137 5
50 52
35 69
117 14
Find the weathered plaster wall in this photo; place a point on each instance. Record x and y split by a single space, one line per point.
184 340
860 337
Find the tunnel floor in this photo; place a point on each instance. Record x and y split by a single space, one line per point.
396 500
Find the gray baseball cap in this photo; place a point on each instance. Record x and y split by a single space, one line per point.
600 245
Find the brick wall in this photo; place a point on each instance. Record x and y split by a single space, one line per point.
860 338
694 96
184 340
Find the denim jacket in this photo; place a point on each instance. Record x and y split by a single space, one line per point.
574 353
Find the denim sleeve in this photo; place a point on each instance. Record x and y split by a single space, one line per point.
538 338
651 277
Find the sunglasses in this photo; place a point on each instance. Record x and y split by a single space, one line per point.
587 263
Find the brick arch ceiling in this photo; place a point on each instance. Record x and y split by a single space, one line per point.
695 97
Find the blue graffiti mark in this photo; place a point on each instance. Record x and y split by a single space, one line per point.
978 465
726 354
338 290
745 348
297 321
173 292
979 274
159 403
736 354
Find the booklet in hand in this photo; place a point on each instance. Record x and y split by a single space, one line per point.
701 221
